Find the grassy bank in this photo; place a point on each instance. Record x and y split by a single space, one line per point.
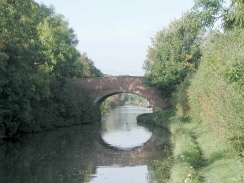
199 155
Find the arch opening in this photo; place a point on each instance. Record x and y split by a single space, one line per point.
123 98
120 129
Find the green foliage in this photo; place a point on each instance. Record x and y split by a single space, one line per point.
187 153
106 106
22 80
199 155
210 11
58 43
179 98
216 91
160 118
175 52
235 19
212 97
187 156
159 170
87 67
37 50
213 10
235 72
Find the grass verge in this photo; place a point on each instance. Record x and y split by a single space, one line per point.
199 154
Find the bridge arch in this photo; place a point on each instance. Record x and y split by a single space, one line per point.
100 88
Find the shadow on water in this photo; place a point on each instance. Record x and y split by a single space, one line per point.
76 154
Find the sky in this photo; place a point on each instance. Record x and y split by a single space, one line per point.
116 34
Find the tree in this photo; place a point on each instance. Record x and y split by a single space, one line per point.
86 68
212 10
37 55
58 43
22 81
175 52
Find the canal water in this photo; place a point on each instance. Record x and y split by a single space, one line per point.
117 149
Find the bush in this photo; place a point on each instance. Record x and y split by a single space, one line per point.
67 105
179 98
216 91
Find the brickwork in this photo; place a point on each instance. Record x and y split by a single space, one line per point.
101 88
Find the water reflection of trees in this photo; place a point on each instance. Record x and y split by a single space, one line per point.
68 155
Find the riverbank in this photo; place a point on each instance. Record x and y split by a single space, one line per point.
200 155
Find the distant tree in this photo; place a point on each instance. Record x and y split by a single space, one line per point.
86 67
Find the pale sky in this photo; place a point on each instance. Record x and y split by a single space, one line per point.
116 34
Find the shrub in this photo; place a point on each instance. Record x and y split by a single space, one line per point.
216 91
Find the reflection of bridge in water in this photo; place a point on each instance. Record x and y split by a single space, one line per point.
137 156
100 88
69 152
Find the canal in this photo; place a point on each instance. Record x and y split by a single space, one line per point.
117 149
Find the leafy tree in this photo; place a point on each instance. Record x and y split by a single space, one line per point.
37 51
58 43
175 52
22 79
86 67
213 10
235 17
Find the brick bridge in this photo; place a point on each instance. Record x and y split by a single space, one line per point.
101 88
